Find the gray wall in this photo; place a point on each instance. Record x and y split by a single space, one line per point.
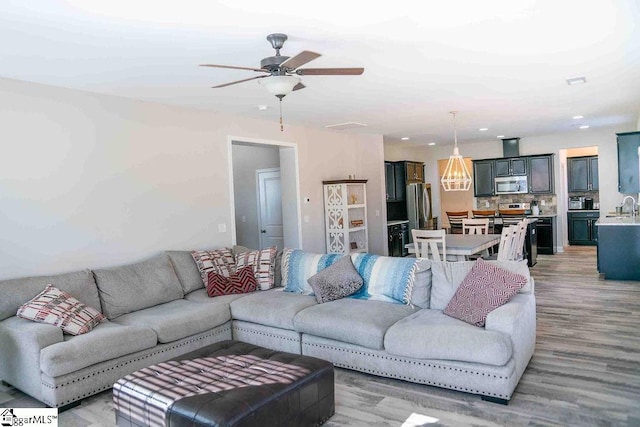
246 160
89 180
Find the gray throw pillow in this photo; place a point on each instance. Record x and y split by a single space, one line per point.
339 280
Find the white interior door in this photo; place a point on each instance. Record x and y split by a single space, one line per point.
270 208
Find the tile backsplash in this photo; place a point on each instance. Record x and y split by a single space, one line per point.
550 201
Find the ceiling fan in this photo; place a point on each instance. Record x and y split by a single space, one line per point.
280 73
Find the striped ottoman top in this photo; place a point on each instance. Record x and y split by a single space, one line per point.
147 395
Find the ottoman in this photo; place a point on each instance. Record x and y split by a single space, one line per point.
228 384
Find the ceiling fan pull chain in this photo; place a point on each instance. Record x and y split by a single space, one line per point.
281 125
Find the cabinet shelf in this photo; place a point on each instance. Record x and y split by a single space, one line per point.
339 212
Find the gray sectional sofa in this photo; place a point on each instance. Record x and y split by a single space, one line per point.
158 310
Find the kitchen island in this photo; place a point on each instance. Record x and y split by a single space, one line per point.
619 247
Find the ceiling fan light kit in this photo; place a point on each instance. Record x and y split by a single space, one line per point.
280 86
281 73
456 175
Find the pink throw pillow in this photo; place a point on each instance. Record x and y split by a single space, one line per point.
484 289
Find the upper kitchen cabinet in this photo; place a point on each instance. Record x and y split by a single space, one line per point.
414 171
583 173
628 172
511 166
390 180
483 176
541 174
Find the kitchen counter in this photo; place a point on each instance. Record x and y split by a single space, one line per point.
543 215
396 222
583 210
619 220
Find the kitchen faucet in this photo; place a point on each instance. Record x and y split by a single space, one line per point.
634 207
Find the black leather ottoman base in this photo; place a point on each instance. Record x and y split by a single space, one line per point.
246 385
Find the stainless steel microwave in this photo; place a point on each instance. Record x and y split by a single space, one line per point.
511 185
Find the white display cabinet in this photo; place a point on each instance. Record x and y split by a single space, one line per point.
345 211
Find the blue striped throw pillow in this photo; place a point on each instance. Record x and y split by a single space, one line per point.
298 266
387 279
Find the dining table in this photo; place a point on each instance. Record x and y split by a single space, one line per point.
461 246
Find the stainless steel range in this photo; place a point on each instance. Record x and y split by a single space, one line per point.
515 208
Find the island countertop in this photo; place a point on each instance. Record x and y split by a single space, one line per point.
619 220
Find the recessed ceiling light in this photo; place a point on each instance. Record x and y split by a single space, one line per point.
405 138
584 127
262 107
577 117
576 80
483 129
431 143
500 136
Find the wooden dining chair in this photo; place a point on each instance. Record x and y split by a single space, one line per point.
426 242
475 226
489 214
521 233
455 221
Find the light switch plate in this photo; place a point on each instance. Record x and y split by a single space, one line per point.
222 228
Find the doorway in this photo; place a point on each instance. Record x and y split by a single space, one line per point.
274 204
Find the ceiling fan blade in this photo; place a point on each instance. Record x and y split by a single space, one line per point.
330 71
299 86
237 81
300 59
233 67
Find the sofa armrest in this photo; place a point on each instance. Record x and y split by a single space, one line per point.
517 319
21 341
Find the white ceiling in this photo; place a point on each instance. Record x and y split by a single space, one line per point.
501 63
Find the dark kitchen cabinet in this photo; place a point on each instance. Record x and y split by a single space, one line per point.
483 177
395 182
628 144
582 228
390 181
511 167
583 173
398 236
541 174
546 235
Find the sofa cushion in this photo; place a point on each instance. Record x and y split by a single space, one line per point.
421 294
186 270
298 266
58 308
352 321
385 278
447 276
271 308
201 296
484 289
178 319
136 286
336 281
430 334
106 341
242 281
16 292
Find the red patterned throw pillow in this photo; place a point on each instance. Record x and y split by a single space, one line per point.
58 308
484 289
240 282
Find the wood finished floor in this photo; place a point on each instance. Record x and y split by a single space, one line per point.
585 370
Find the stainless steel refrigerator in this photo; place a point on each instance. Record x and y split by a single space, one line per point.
419 210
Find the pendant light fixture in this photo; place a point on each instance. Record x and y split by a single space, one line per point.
456 176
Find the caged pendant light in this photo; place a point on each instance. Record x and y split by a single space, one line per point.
456 176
